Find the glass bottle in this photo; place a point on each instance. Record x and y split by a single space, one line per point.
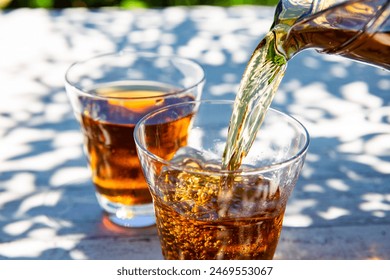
357 29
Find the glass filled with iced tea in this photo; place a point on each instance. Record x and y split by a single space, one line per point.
204 211
109 94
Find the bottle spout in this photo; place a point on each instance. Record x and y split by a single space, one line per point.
357 29
290 12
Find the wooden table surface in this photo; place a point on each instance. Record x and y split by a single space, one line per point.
340 208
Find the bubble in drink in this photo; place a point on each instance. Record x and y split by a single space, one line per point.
202 214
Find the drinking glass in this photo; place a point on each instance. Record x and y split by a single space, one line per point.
109 94
206 212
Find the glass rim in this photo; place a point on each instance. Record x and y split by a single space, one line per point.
224 172
144 54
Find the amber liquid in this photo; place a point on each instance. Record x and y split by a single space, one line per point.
366 47
198 218
208 217
345 30
258 86
108 126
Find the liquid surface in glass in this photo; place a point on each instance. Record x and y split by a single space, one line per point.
108 126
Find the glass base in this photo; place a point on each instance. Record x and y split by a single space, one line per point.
135 216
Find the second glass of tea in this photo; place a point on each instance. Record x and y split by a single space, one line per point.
109 94
204 211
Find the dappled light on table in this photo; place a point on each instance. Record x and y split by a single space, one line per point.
340 208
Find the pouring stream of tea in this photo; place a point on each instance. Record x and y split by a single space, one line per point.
357 29
260 81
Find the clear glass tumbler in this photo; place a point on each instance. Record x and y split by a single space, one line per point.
203 211
109 94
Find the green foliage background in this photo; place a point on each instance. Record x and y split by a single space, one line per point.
10 4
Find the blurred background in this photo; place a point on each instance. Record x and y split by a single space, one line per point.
128 4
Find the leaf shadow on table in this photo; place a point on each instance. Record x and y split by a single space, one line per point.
47 205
